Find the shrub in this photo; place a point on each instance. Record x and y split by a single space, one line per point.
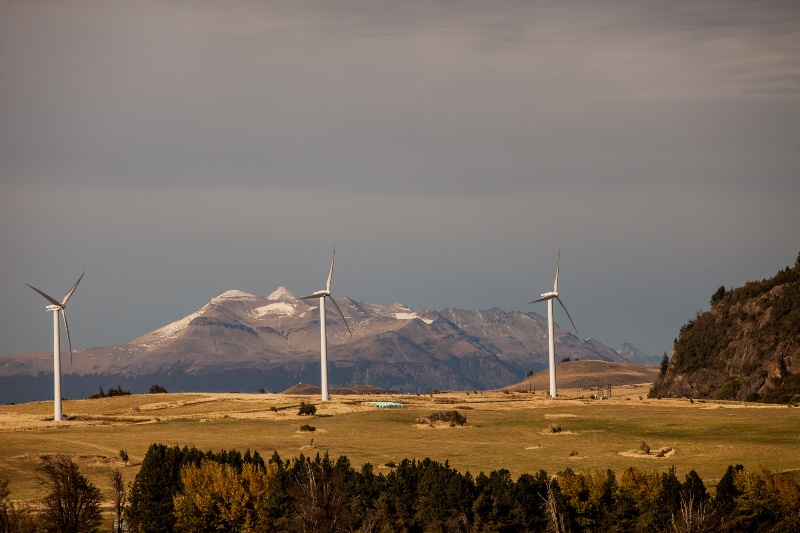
307 409
155 388
752 397
452 417
123 455
306 427
728 390
554 428
644 449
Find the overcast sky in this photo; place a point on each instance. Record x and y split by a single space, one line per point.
175 150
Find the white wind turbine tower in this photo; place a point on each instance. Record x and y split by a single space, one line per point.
550 296
57 307
323 339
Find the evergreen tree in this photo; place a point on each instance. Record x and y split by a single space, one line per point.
724 501
693 489
154 488
717 296
530 491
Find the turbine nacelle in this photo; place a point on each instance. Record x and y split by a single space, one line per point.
317 294
546 296
60 306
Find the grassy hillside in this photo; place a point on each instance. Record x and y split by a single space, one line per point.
579 378
747 347
502 431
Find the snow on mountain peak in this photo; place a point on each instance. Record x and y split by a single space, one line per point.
235 295
282 293
411 316
277 308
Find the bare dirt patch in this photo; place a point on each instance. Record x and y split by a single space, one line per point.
660 454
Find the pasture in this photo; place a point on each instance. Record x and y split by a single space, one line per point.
503 430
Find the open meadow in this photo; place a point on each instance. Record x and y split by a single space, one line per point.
503 430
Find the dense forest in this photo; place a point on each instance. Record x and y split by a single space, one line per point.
186 490
746 347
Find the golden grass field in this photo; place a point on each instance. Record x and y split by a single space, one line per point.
503 430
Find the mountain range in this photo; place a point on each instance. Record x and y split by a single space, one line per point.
240 341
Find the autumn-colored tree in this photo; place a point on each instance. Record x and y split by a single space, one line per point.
766 501
636 499
217 497
589 497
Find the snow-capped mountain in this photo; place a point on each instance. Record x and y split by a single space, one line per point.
241 341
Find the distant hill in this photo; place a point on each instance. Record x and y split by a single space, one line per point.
634 355
315 390
590 374
746 347
241 341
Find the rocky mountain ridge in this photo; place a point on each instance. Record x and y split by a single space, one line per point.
241 341
746 347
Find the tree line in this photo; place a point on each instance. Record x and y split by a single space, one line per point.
187 490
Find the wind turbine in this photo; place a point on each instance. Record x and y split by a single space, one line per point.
323 339
550 296
57 307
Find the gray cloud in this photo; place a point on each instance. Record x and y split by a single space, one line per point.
179 149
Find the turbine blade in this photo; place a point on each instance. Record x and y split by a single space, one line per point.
69 294
565 310
341 314
558 262
330 272
47 296
541 300
69 340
